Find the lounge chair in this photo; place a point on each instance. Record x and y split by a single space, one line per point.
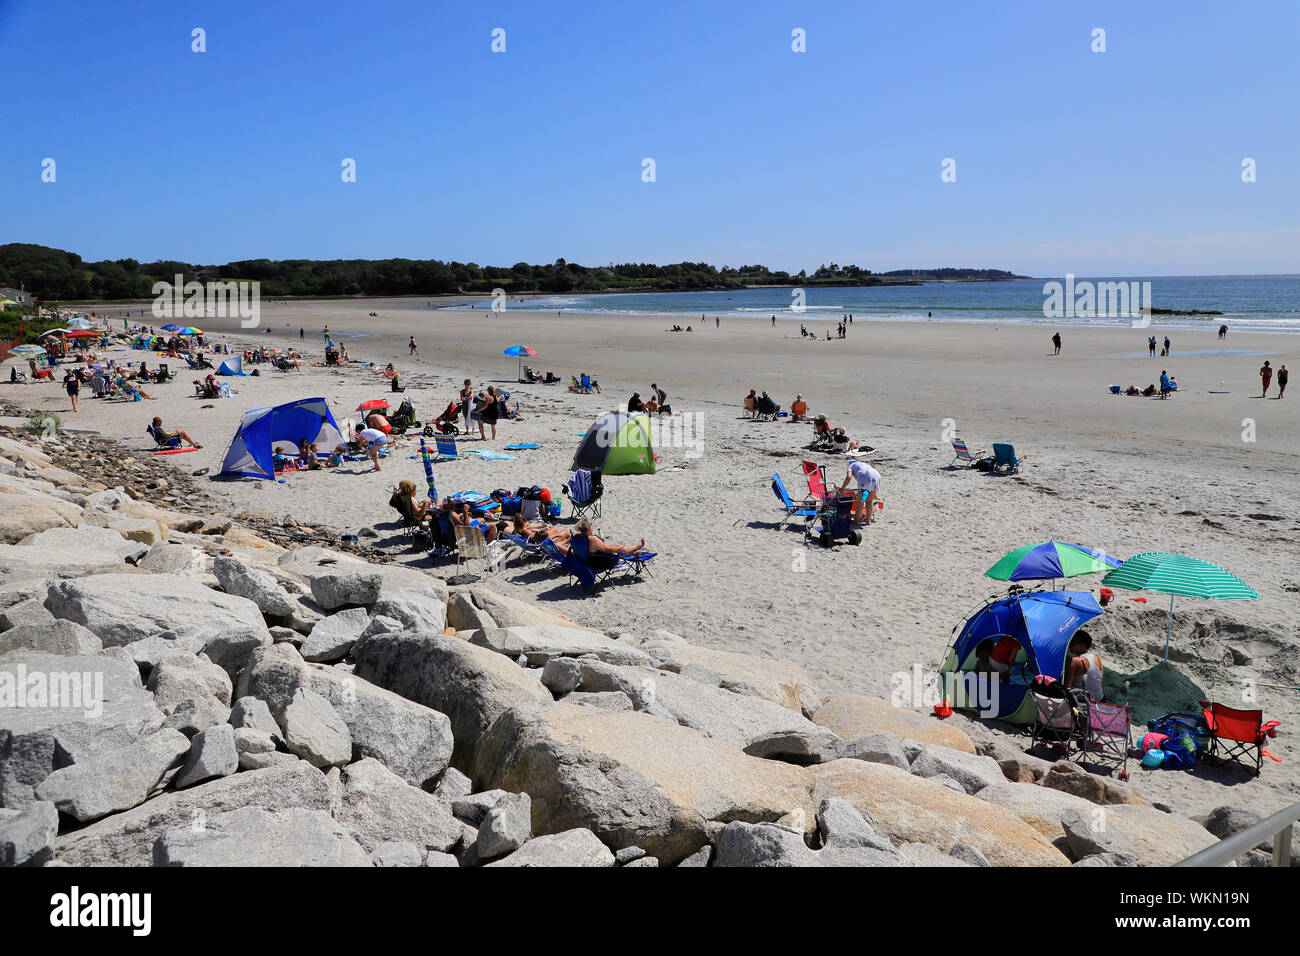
471 544
584 385
446 447
584 491
815 475
750 410
161 438
402 505
592 570
792 510
1238 735
1005 459
551 379
963 453
766 410
823 435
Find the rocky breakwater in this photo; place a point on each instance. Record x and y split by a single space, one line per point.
177 690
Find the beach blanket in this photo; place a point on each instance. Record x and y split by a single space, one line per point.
521 447
488 455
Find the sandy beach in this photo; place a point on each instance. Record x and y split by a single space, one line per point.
1210 475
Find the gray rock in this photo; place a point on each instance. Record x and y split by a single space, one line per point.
382 807
178 676
194 715
397 853
1088 835
125 608
31 612
607 700
346 586
571 848
473 808
253 746
644 861
87 538
127 839
928 855
498 639
972 771
332 638
231 650
701 857
562 675
762 845
383 624
540 643
314 731
841 825
287 634
1109 859
506 827
52 637
440 859
115 779
947 781
253 713
878 748
261 836
969 855
628 854
469 684
453 786
27 836
257 585
212 754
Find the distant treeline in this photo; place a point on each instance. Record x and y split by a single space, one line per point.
55 275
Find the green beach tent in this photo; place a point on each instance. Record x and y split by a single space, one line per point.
618 444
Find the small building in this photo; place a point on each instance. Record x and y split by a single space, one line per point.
16 296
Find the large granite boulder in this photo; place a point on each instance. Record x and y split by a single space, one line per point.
381 807
261 836
856 715
114 779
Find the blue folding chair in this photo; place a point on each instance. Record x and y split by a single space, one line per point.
446 447
585 383
584 491
792 510
1005 459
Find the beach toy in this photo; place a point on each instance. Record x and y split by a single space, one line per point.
1139 600
943 710
1153 758
1106 595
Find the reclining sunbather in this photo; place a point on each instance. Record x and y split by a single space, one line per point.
596 545
539 531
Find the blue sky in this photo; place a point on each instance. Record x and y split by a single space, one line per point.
1126 162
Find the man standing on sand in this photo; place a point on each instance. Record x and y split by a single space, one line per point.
1266 376
1056 343
717 323
1151 345
1168 345
413 349
302 334
326 332
1282 376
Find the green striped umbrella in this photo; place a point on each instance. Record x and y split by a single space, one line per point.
1178 574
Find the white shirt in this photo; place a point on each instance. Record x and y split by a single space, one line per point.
372 435
868 478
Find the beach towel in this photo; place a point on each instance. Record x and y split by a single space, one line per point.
488 455
521 447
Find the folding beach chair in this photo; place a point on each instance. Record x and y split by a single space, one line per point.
592 570
445 445
1060 715
161 438
815 475
792 510
1238 735
1005 459
442 536
962 453
584 385
1107 740
765 410
471 544
584 491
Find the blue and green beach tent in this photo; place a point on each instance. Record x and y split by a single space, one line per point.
618 444
251 450
1043 622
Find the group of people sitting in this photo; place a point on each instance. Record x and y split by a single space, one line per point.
308 457
1166 387
678 328
1083 667
832 439
656 404
758 406
584 384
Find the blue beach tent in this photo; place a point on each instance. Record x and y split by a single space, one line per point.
232 366
1043 622
251 450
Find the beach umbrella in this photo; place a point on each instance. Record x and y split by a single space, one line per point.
189 330
1050 559
1167 573
171 327
428 470
27 350
373 404
83 334
520 351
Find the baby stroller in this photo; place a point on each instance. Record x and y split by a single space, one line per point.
445 423
1060 715
833 522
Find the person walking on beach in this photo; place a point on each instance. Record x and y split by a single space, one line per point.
774 321
1056 343
412 348
1223 331
1266 376
717 323
302 334
1151 345
1282 376
72 385
1168 345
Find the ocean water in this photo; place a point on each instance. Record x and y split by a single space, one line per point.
1248 303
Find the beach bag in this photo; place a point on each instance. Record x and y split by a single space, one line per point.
984 464
1153 759
1180 723
1180 752
511 505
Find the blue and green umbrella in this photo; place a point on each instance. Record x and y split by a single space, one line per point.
1050 559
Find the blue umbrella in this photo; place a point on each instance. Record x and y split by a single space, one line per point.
1050 559
173 327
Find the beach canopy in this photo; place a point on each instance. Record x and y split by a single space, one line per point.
1168 573
520 351
1050 559
618 444
1043 622
232 366
373 403
251 450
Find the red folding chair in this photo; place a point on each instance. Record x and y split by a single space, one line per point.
1238 735
816 475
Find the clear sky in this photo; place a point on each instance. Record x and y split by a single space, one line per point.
1127 162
